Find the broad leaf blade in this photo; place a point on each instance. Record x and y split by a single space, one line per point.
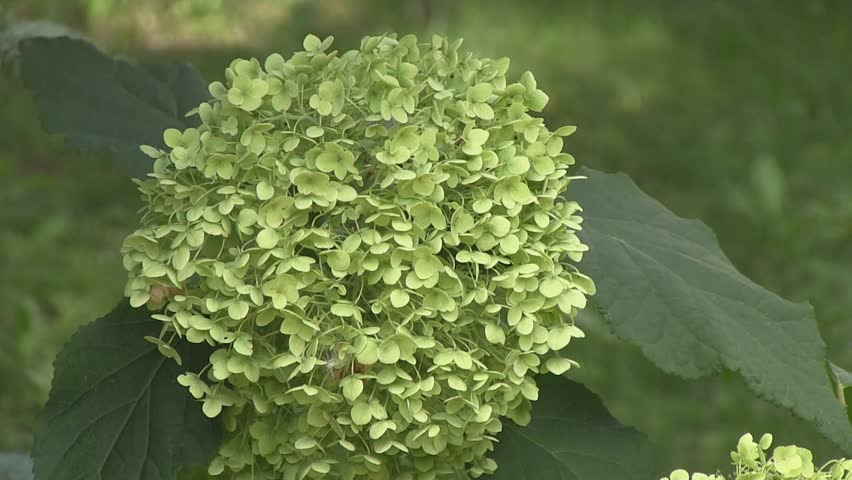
103 103
200 436
186 86
571 437
116 410
666 286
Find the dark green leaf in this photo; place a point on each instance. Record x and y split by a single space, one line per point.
666 286
186 85
15 466
200 435
116 410
571 437
104 103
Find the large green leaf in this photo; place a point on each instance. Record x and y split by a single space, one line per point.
103 103
116 410
666 286
571 437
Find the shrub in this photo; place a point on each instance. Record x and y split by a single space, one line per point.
356 264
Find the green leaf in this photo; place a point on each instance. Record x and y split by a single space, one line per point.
15 466
200 439
571 437
106 103
667 287
187 87
116 410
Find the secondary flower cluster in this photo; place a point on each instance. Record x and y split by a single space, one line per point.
790 462
376 245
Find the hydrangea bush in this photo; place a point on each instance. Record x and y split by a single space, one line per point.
752 462
377 245
364 265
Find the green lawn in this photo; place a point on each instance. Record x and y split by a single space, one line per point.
735 113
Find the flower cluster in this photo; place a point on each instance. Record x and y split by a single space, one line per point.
377 247
786 463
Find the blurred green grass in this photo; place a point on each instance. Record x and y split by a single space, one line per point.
736 113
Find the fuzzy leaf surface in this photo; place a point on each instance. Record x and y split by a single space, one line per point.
101 103
571 437
116 410
666 286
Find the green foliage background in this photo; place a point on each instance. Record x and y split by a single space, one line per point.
736 113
